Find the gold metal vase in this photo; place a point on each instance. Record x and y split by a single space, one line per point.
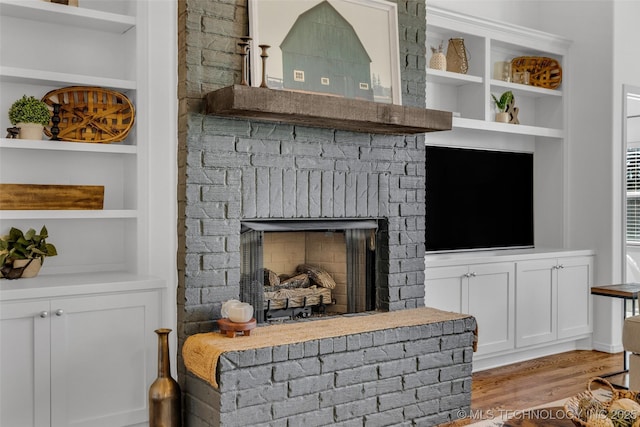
164 393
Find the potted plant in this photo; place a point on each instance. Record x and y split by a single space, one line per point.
22 254
501 105
31 115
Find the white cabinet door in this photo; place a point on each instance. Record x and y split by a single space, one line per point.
446 288
536 302
491 300
24 364
575 277
102 348
485 291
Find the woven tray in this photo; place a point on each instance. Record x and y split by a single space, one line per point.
544 72
577 407
91 114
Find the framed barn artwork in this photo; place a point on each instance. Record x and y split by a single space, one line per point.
346 48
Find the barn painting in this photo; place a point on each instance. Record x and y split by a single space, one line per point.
323 53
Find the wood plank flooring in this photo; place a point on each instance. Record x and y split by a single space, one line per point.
539 381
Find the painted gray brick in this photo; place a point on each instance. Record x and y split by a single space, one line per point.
262 395
296 405
338 361
296 369
397 367
340 395
275 193
321 417
257 146
384 353
356 409
326 200
250 415
396 400
377 388
358 375
310 385
393 417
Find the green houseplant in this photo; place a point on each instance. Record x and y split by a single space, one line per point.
31 115
22 254
501 105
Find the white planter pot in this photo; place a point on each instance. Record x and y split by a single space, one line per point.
30 130
502 117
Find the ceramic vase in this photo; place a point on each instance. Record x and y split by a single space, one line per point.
164 393
438 61
30 130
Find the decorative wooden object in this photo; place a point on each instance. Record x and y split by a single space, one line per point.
264 57
230 328
512 110
51 197
325 111
91 114
245 47
543 72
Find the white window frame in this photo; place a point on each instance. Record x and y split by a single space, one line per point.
298 76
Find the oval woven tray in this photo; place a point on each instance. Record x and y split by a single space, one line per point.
578 407
544 72
91 114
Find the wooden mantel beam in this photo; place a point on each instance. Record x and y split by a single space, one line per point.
315 110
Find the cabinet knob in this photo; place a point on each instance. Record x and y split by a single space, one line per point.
467 275
561 266
59 312
473 274
44 314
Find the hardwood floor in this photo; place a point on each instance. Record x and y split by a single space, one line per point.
539 381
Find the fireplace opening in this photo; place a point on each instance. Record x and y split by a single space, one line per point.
299 269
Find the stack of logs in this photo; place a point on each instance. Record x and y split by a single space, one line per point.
305 276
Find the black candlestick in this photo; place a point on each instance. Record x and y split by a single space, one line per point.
55 119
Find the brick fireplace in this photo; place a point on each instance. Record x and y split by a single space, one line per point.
234 170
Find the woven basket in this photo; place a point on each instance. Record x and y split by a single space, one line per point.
577 407
544 72
91 114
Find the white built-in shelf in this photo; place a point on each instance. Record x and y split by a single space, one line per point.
69 214
450 78
27 144
52 78
525 90
464 123
55 285
38 10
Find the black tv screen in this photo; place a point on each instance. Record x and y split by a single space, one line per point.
478 199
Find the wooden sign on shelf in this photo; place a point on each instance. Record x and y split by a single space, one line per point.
51 197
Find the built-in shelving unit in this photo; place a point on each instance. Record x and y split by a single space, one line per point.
541 111
77 52
98 294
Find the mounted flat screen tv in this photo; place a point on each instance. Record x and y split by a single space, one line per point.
478 199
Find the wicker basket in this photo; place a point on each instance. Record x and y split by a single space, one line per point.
578 407
91 114
544 72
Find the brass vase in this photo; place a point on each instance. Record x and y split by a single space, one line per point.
164 393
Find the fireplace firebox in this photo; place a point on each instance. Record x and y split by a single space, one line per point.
297 269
